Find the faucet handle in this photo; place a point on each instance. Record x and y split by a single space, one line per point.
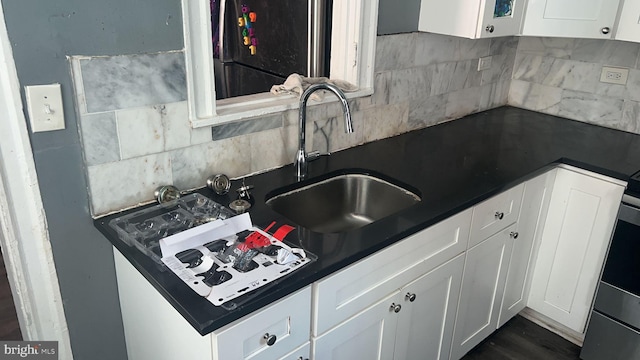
314 155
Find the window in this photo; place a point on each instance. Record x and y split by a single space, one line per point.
353 39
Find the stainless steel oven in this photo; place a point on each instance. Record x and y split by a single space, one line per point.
614 328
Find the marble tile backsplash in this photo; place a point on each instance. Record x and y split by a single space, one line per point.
561 77
136 139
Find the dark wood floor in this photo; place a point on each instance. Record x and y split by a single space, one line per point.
9 327
520 339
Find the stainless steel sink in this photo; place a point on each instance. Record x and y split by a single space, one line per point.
342 202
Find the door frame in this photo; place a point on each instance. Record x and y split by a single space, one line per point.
24 236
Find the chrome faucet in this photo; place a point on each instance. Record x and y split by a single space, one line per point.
300 162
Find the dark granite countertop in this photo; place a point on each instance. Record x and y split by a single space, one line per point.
454 165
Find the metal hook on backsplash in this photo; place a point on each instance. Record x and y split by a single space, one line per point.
244 200
219 183
166 193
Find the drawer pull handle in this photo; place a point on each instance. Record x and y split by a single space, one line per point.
395 308
411 297
499 215
271 339
489 28
514 234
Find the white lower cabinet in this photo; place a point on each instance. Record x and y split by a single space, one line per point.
575 240
425 325
535 204
154 330
413 323
301 353
485 270
340 296
368 335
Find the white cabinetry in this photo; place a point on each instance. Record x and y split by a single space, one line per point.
629 23
497 267
469 18
354 313
155 330
576 236
535 204
425 325
413 323
349 291
495 214
368 335
571 18
482 286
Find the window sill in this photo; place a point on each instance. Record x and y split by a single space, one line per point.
250 106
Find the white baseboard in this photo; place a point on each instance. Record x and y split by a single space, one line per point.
553 326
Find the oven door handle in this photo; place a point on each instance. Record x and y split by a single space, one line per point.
630 210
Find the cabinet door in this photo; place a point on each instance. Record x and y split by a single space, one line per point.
571 18
425 326
485 270
574 242
301 353
471 18
629 23
500 18
368 335
535 204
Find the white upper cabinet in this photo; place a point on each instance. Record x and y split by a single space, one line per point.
571 18
629 24
471 18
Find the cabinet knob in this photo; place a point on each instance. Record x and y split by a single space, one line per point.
513 234
489 28
301 358
605 30
411 297
271 339
395 308
499 215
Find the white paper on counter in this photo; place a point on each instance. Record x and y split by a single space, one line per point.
203 234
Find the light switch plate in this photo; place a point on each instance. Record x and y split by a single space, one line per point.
44 104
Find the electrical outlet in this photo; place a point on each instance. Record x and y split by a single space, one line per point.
44 103
612 75
484 63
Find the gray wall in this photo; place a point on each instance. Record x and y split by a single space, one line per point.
42 33
398 16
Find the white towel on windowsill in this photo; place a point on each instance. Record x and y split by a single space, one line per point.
296 84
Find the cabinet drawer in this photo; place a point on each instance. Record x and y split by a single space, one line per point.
344 294
495 214
288 320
